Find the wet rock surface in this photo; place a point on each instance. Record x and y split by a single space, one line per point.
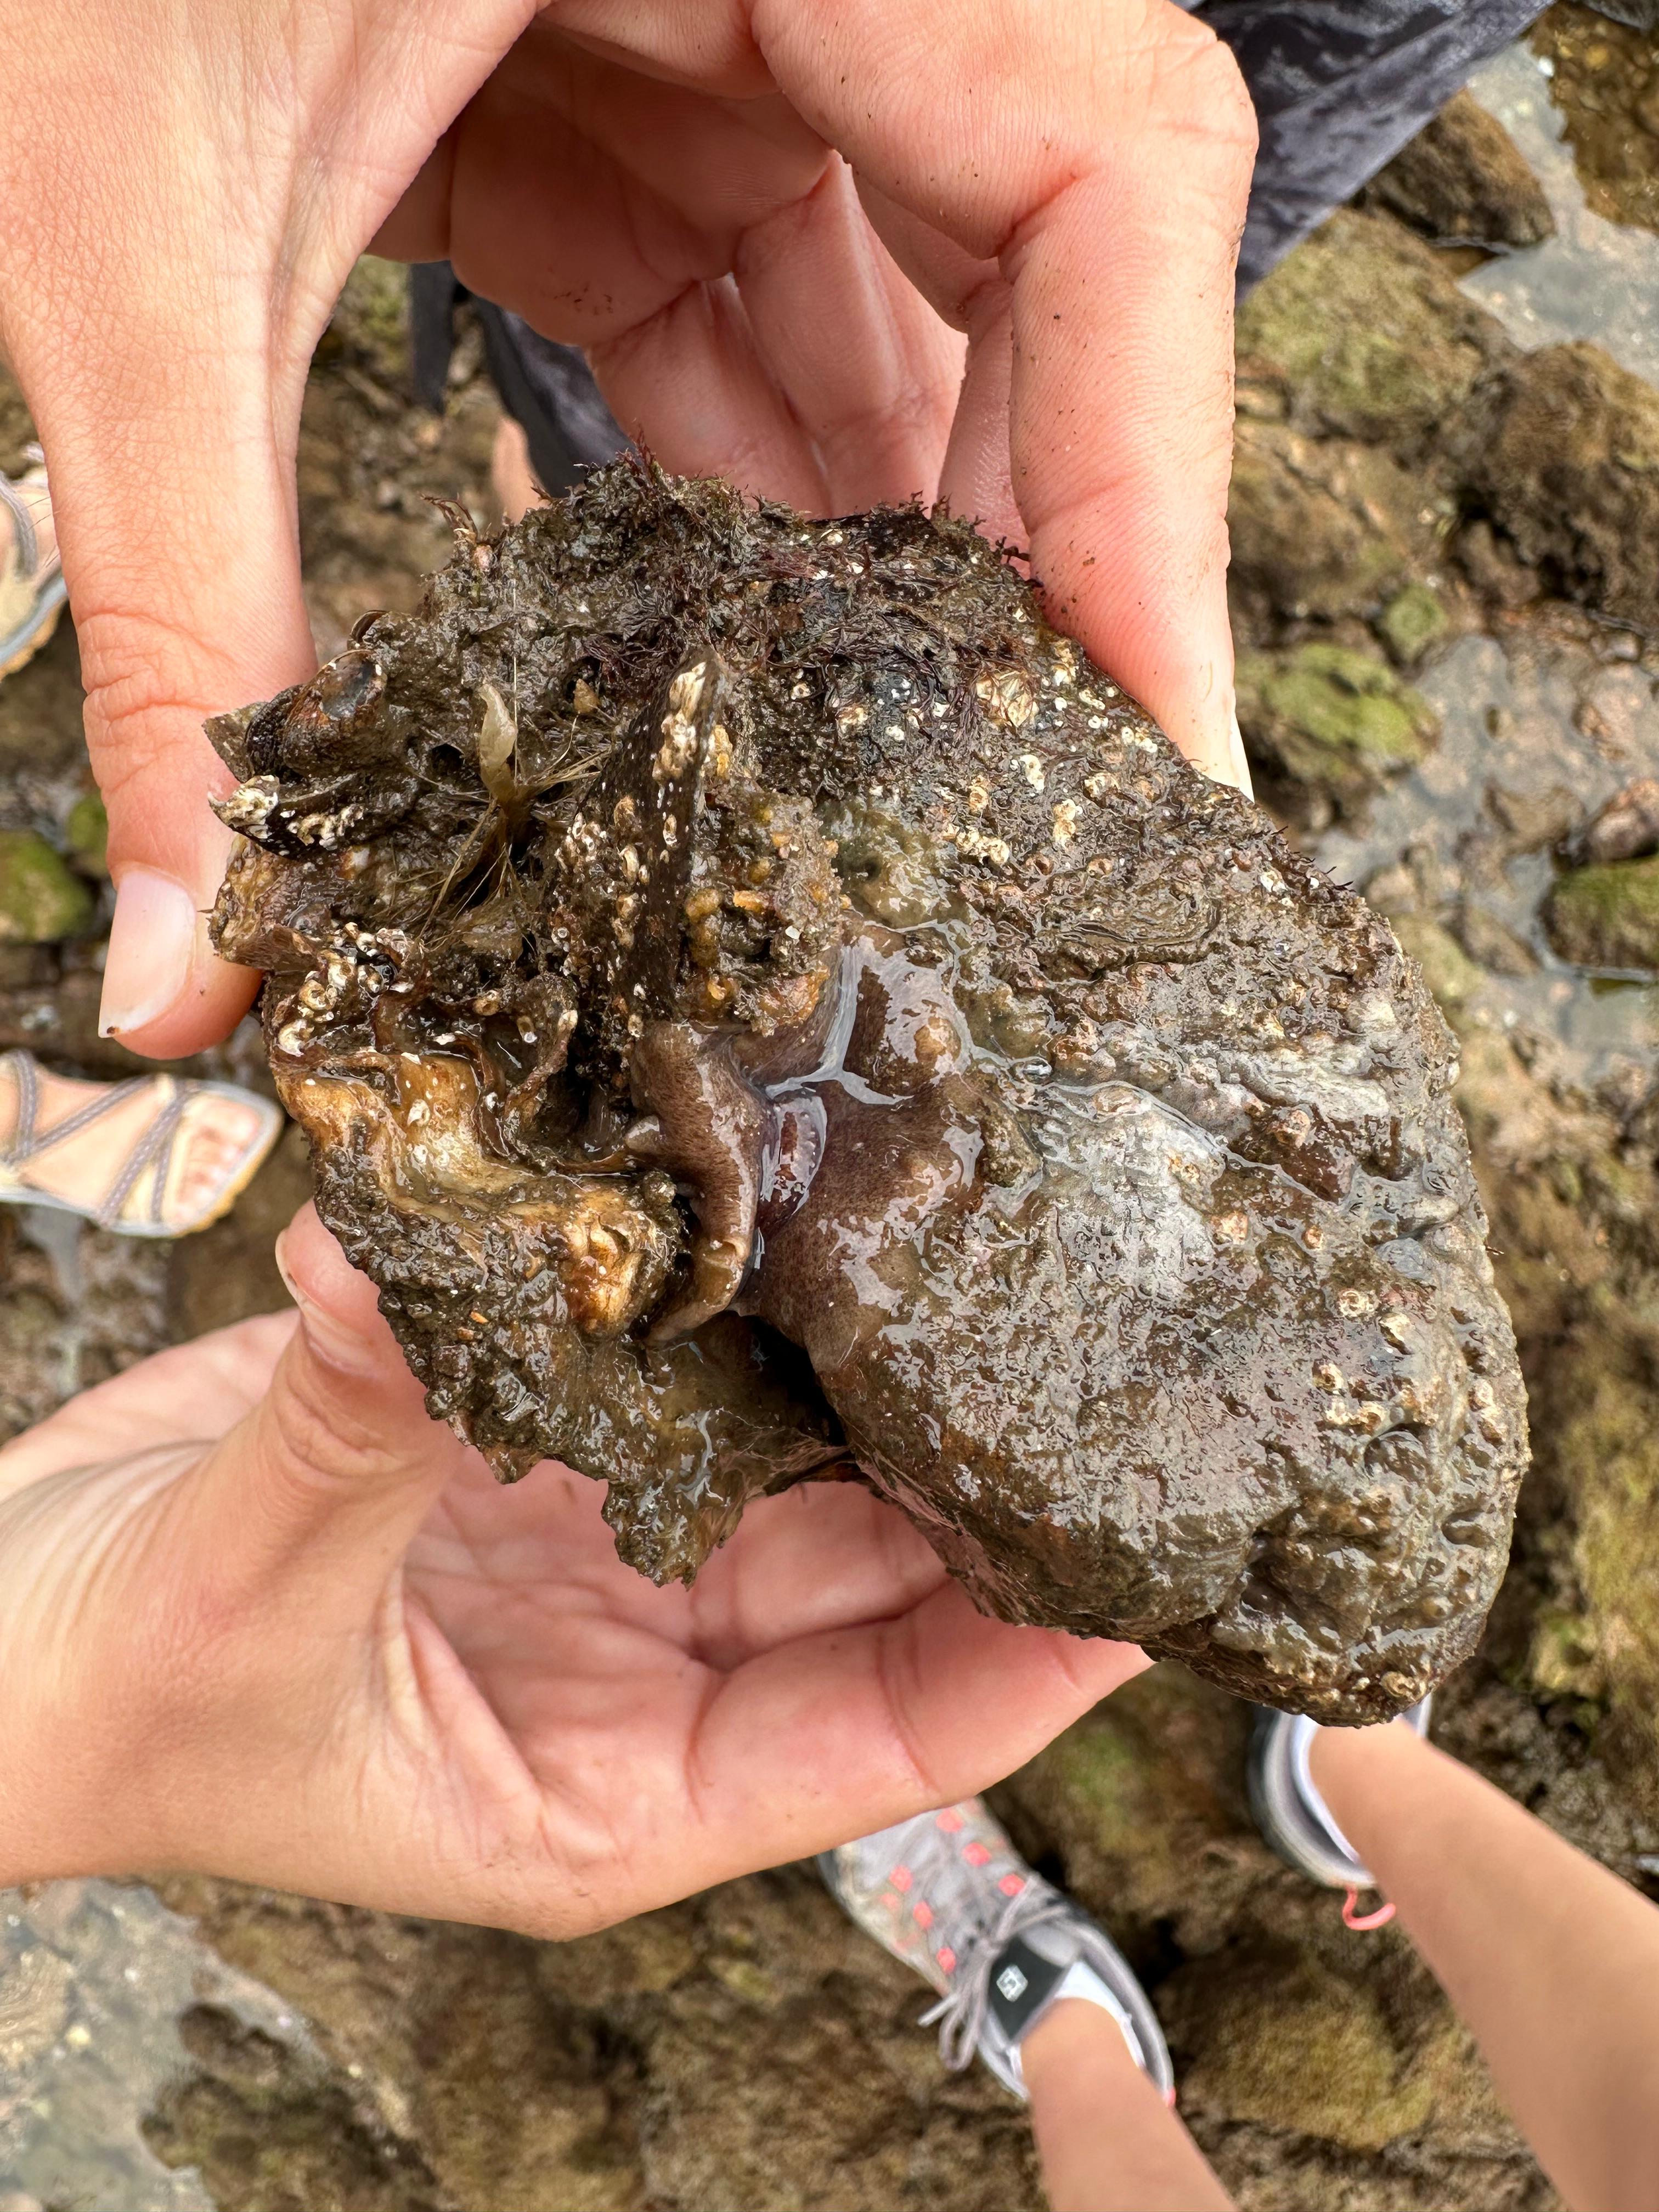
818 955
747 2048
1606 83
1462 181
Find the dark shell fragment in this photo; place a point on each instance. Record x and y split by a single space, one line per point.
760 998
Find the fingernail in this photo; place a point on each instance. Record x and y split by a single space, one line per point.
332 1339
152 949
1240 764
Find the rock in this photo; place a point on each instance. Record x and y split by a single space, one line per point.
1603 87
1491 942
1281 2038
42 899
1604 1458
1450 975
1561 446
1322 528
895 814
1626 828
1530 820
1142 1801
1607 916
1494 568
86 832
1413 621
1335 722
1463 181
1363 331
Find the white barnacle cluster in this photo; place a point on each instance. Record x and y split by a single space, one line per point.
678 747
579 846
249 807
357 956
975 845
1347 1408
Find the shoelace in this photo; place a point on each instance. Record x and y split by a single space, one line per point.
962 2009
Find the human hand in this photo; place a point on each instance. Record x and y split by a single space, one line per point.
260 1617
773 223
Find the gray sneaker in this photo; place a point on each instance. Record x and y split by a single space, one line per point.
1295 1819
947 1893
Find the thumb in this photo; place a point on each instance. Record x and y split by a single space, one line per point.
175 518
333 1471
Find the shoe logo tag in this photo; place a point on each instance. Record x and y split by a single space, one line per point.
1011 1984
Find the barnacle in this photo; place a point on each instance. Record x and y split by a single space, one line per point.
761 1000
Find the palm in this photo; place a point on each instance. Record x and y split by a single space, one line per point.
306 1638
606 1694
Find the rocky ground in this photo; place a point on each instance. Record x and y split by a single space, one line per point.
1448 611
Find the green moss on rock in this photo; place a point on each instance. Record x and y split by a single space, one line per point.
1283 2041
42 899
1336 722
1413 621
1366 333
1604 1456
86 832
1607 916
1450 975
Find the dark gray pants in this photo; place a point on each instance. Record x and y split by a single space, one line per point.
1339 87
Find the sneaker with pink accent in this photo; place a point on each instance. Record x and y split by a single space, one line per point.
947 1893
1295 1819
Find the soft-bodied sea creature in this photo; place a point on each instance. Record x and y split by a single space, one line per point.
762 999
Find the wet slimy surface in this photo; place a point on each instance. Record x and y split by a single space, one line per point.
760 998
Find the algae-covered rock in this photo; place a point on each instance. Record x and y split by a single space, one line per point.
42 899
1450 975
1322 528
1413 621
1604 83
1561 447
1463 180
1604 1458
1607 915
1492 942
1334 722
1283 2040
1365 333
86 832
1135 1794
1625 827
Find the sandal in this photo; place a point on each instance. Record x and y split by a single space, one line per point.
32 587
144 1196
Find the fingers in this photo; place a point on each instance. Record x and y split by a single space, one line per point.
1101 158
173 501
843 1733
870 371
713 258
135 321
183 579
333 1471
691 382
825 1555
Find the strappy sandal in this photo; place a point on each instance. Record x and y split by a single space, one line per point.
31 590
136 1202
